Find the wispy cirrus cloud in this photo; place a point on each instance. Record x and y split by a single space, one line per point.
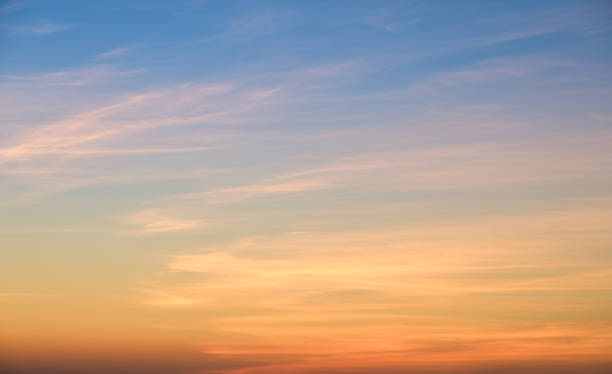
110 128
156 221
461 166
115 52
42 29
340 289
390 19
182 105
248 28
61 147
269 188
68 78
497 70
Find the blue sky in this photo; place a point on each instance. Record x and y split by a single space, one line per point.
284 86
212 38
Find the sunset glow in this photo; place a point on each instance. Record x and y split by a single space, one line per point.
269 187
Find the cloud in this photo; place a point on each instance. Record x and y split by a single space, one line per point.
43 29
156 222
241 193
379 24
495 70
138 123
313 220
116 52
415 264
93 133
181 105
68 78
386 294
463 166
96 152
538 23
49 29
248 28
388 20
131 124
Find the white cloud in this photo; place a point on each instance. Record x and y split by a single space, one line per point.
119 51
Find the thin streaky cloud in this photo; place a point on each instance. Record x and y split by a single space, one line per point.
116 52
94 152
43 29
461 166
135 113
157 221
243 29
68 78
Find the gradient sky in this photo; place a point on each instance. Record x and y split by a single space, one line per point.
263 187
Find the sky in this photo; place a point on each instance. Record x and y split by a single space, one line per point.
327 187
